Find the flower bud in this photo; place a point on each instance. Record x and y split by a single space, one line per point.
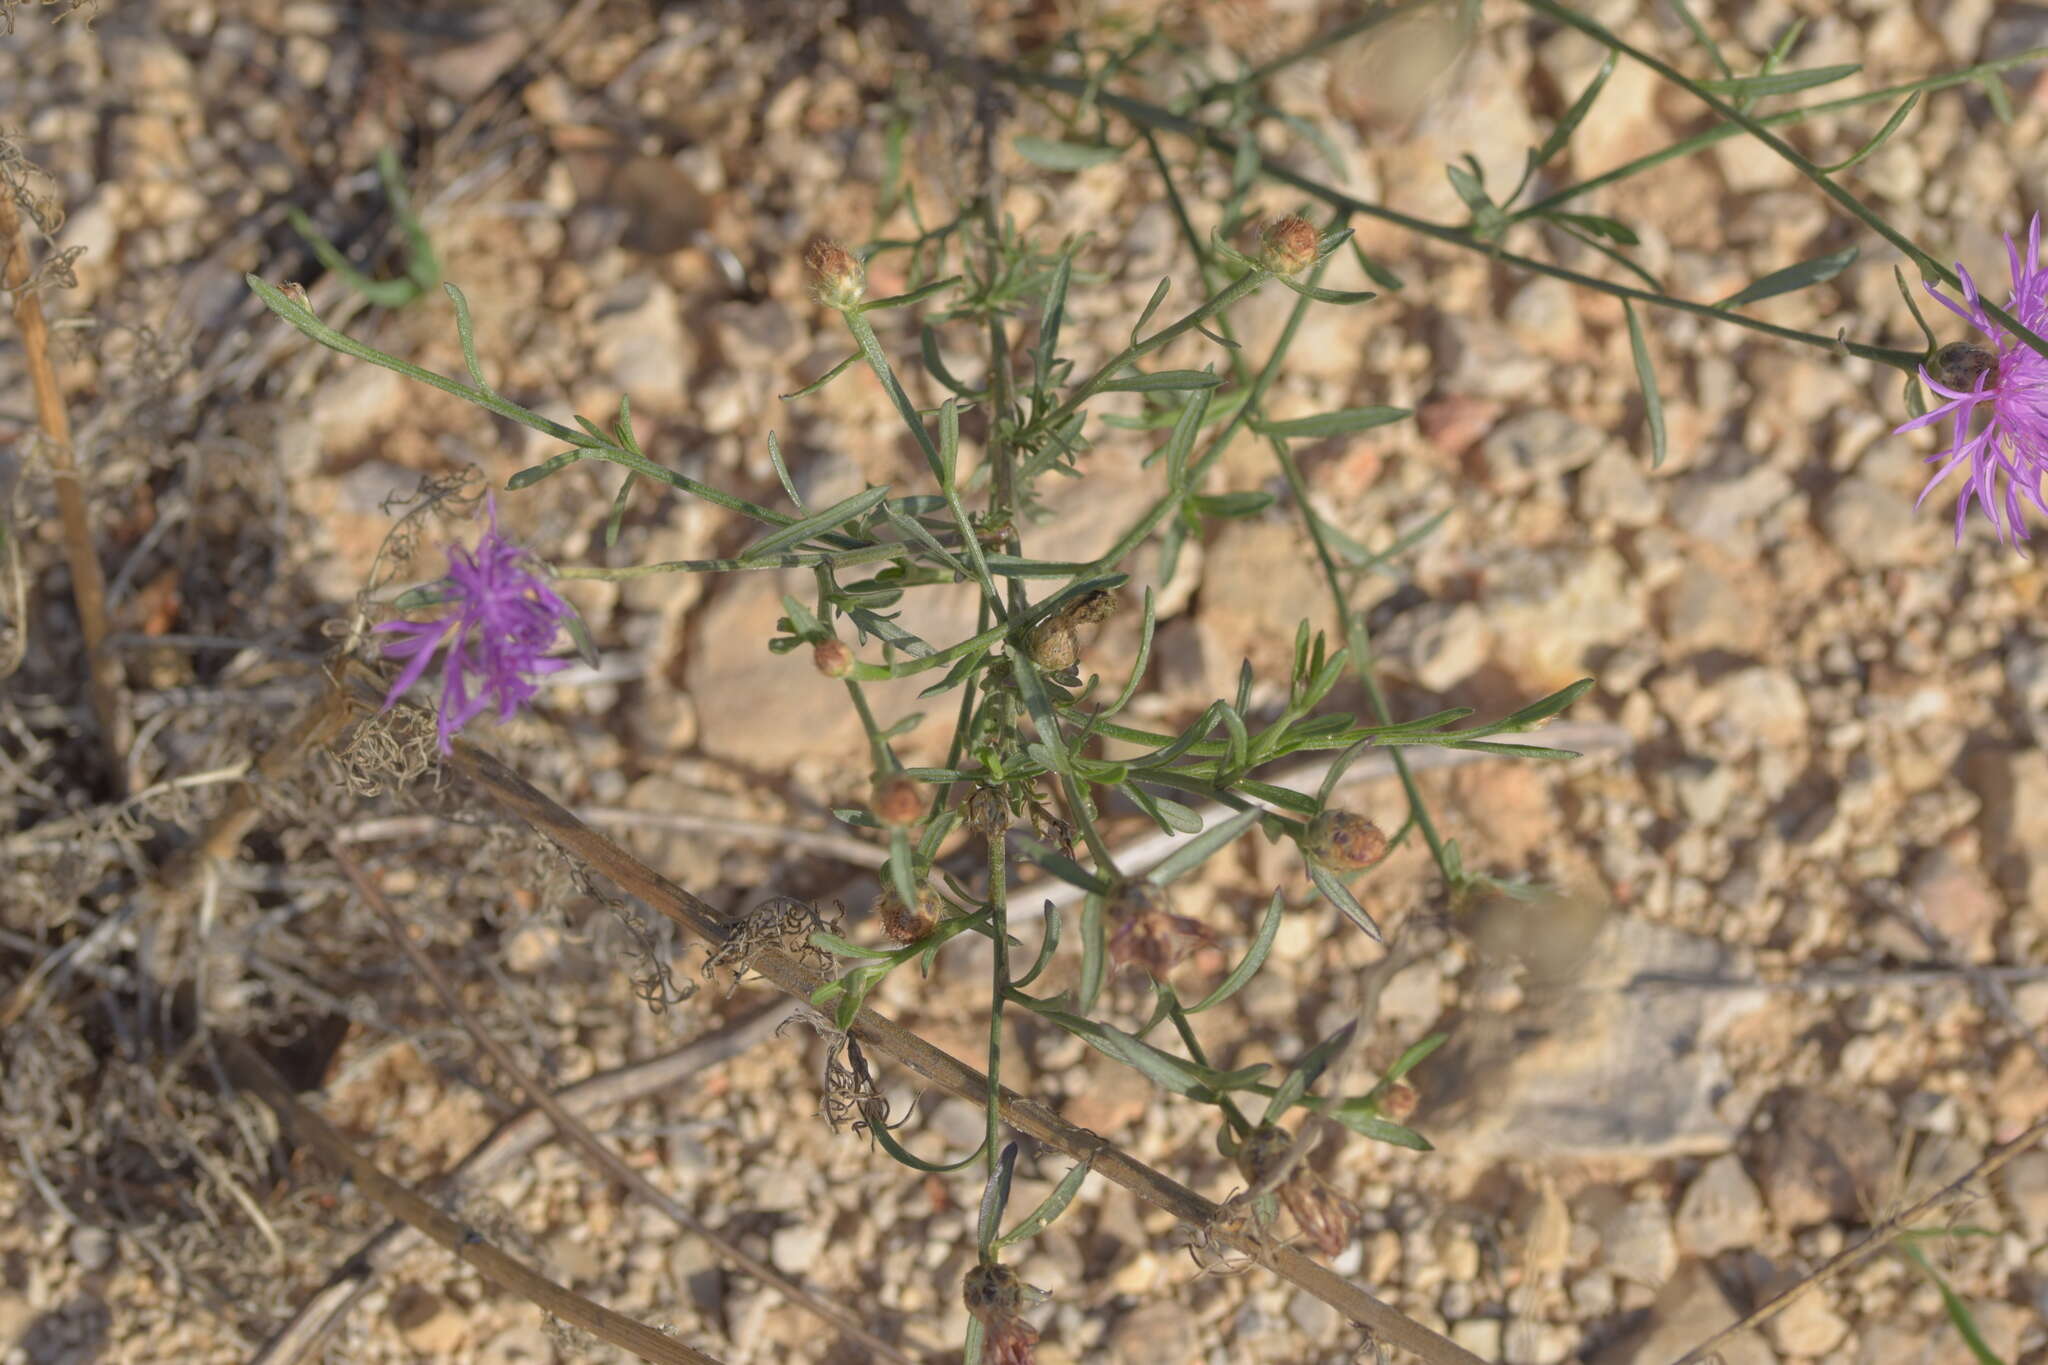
832 657
1344 841
1052 645
837 277
1399 1101
1288 245
896 801
903 923
1958 365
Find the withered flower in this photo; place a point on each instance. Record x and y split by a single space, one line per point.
1145 933
896 801
903 923
837 277
997 1296
1325 1217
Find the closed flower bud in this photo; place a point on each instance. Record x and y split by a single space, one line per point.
1344 841
1053 647
1399 1101
906 924
897 802
832 658
1288 245
837 277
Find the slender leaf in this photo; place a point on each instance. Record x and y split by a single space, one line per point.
1646 375
1164 381
1247 966
1339 895
1331 423
1779 82
1188 856
1049 1208
995 1197
1064 156
817 524
1801 276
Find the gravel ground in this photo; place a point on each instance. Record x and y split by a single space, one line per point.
1791 982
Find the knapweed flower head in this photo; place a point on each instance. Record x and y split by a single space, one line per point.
997 1297
1287 245
1997 398
494 640
1145 932
837 277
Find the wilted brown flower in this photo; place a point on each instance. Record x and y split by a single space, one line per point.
1325 1217
903 923
1053 646
1091 608
997 1296
897 801
1288 244
987 811
1144 931
832 657
1344 840
837 276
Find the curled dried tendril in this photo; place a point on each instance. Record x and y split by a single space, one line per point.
780 923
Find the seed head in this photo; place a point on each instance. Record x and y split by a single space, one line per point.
1960 362
1145 932
832 657
996 1296
1344 841
987 812
902 923
1288 245
897 801
1053 646
837 277
1325 1217
1092 608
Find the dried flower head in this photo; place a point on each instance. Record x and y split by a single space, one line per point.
897 801
1145 932
1326 1218
1344 841
832 657
987 811
503 620
997 1296
837 277
1053 646
1091 608
1288 245
904 923
2002 392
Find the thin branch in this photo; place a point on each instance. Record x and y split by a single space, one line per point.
459 1240
298 1339
88 579
1879 1237
580 1137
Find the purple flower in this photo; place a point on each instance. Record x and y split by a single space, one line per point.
2008 383
504 620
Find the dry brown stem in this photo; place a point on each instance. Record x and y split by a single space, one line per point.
580 1137
88 582
462 1242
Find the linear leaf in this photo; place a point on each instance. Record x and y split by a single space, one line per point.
1064 156
1051 1207
1779 82
837 515
1801 276
1192 854
1247 966
1646 375
1332 423
1339 895
1164 381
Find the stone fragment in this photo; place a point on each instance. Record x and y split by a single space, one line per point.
1874 528
1807 1326
1722 1210
1821 1158
1636 1242
1689 1309
1535 450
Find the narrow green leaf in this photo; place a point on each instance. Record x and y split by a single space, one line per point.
1061 866
1344 297
617 518
995 1197
1064 156
1646 375
807 390
917 295
1051 318
1340 896
466 334
1307 1071
1245 504
1331 423
1699 32
949 440
1158 297
904 1155
1094 951
1163 1069
928 346
1958 1311
1598 225
817 524
1164 381
1049 1208
902 877
1377 273
1801 276
1248 965
1186 857
1383 1130
1047 946
1574 116
1891 125
1779 82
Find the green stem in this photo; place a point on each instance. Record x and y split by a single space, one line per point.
1850 204
1187 1037
1721 132
1152 116
999 938
1137 350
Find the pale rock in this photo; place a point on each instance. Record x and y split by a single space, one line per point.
1413 1000
1544 316
1480 1336
1438 644
758 335
1704 789
2024 1184
1711 605
1821 1158
1480 112
1688 1310
1957 897
1636 1242
1613 488
1723 503
1592 1068
1552 608
1807 1326
358 404
1876 528
1478 358
464 71
1748 166
1722 1210
794 1249
518 1346
1263 579
1156 1331
429 1323
765 709
2013 784
1762 706
1536 450
642 348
